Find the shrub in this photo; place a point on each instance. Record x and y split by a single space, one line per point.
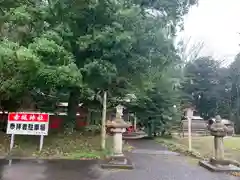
92 129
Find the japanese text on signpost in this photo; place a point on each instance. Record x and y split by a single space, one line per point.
28 123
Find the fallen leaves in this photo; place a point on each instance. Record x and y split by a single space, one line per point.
71 146
237 174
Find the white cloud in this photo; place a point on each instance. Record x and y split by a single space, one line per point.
215 22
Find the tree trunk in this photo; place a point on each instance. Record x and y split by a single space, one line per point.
89 117
103 130
73 102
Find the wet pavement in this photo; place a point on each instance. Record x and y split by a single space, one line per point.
49 170
152 162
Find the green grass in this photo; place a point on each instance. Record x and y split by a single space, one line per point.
56 146
83 155
203 145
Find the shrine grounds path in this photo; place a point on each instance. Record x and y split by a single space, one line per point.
152 162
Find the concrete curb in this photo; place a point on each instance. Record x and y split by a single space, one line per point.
117 164
181 149
43 158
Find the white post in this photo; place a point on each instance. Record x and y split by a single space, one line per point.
190 134
41 143
12 142
10 162
103 128
135 122
189 117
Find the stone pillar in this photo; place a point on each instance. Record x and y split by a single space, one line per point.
219 131
117 141
218 163
117 127
218 148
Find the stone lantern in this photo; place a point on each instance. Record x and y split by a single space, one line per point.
218 163
218 130
117 127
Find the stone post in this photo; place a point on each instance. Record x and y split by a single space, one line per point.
117 127
219 131
218 163
218 148
118 130
117 141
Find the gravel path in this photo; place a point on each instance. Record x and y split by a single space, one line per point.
165 166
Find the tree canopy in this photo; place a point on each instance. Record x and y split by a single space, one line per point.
212 88
75 50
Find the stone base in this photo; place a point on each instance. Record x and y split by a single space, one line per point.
134 135
117 162
220 165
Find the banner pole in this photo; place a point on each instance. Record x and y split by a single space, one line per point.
41 143
12 142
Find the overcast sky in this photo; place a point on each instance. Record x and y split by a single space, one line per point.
217 24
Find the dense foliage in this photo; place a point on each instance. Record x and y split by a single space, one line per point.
213 89
57 50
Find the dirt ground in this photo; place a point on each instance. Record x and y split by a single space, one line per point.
60 145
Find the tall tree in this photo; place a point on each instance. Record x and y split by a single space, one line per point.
199 87
86 47
234 75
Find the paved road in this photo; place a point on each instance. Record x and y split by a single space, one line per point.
164 167
150 159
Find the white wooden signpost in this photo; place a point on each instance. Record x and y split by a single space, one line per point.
24 123
189 117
